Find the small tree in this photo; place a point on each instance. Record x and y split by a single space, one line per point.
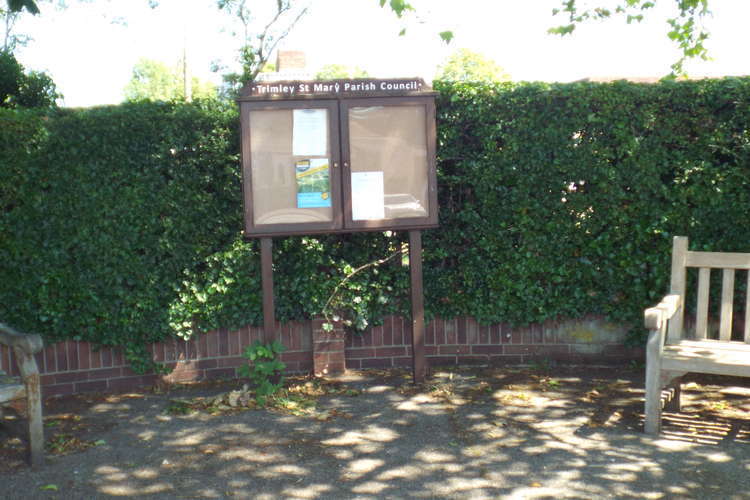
18 88
9 16
155 81
259 38
334 71
465 65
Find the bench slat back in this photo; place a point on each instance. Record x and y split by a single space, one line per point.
729 263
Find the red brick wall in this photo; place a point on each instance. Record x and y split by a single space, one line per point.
463 341
73 367
329 348
287 60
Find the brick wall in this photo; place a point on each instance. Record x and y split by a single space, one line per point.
74 367
463 341
290 60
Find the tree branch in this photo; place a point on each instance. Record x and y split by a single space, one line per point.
351 275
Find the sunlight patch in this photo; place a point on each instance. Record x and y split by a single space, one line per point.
146 473
378 389
371 487
122 490
719 457
416 403
432 456
310 491
106 469
363 466
189 439
405 472
372 433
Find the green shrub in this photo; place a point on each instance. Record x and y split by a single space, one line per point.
111 209
266 370
24 89
561 200
121 225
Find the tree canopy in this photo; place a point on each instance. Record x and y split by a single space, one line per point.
465 65
157 81
260 29
685 27
334 71
26 89
19 5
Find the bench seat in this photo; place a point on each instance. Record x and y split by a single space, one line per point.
11 391
707 356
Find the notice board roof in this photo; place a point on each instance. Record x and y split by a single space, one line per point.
334 89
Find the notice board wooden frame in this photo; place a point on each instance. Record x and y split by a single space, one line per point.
339 97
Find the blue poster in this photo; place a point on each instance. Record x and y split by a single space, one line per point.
313 183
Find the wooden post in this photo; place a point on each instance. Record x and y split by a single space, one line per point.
25 346
30 374
417 306
654 348
266 274
727 301
679 256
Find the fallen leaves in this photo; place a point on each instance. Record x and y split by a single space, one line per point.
63 444
298 398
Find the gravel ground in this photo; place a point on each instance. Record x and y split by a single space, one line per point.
548 432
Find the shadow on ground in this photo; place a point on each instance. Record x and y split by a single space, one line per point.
491 433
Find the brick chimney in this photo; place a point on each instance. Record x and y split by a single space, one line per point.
288 61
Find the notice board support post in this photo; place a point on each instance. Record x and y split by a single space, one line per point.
336 157
266 274
417 306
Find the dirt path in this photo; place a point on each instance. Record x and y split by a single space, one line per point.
506 433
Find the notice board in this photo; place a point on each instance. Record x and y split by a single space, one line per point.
338 156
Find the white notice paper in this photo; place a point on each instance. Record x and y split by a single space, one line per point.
368 196
310 133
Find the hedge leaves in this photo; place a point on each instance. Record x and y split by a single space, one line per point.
122 225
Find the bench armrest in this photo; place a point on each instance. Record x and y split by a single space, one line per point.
656 317
30 343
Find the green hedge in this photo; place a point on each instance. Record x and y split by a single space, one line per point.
105 210
561 200
121 225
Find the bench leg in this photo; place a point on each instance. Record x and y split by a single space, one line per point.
36 425
652 406
673 403
652 420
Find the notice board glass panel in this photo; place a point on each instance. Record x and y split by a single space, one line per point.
290 158
388 156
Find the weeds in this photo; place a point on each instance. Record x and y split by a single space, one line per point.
266 369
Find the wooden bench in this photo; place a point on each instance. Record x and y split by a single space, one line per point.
674 350
25 346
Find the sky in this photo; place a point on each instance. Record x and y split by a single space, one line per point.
90 48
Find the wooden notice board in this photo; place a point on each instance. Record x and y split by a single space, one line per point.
338 156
